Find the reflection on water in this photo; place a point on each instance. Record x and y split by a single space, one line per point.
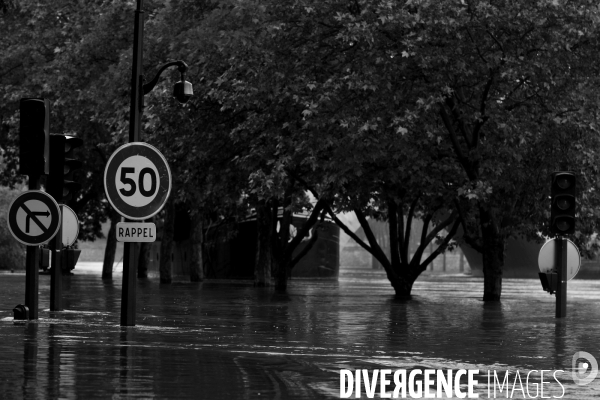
226 341
30 355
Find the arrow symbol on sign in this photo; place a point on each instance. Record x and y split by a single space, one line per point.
33 214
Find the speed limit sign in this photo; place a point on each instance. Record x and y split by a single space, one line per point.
137 180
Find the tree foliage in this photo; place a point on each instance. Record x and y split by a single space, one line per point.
454 112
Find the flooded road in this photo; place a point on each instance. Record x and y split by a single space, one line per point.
233 341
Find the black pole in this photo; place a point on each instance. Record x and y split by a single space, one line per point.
561 267
128 296
135 109
32 279
128 301
56 272
32 261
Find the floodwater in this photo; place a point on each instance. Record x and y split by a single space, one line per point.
222 340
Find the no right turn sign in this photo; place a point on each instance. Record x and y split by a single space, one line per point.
33 217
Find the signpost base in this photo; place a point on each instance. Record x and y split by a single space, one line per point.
561 287
128 295
56 276
32 262
56 272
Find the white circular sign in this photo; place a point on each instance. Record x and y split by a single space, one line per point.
70 225
137 180
547 258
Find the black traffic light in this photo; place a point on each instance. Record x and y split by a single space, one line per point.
562 212
62 164
33 136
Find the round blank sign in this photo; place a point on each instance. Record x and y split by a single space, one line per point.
70 225
547 258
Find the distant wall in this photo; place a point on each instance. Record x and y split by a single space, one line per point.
354 256
233 256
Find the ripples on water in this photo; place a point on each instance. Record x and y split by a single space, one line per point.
225 341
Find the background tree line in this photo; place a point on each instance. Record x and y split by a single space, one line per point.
454 112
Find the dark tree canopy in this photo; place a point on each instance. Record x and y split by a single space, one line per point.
452 112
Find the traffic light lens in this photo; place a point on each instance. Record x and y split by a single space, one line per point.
563 204
563 182
563 225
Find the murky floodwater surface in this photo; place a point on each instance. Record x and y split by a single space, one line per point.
231 341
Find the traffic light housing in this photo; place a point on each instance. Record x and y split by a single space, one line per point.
62 165
34 130
562 214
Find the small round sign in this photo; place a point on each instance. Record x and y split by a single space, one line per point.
70 225
33 217
137 180
547 261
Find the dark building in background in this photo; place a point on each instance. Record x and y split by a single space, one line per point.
229 251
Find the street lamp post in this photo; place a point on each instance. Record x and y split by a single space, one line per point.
182 91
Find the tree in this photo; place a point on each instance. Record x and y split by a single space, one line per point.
13 251
497 82
485 82
285 89
61 51
243 155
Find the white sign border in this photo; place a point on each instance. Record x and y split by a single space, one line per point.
10 208
168 170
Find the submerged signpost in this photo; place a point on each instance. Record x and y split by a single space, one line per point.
559 259
147 181
33 219
137 181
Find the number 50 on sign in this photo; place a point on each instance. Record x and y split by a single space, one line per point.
137 180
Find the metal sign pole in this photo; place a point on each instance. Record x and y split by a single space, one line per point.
561 287
128 301
32 262
120 165
128 296
32 280
56 274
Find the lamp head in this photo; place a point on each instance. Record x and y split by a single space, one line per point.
182 91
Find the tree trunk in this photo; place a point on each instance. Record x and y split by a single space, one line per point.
493 258
166 244
402 284
111 246
493 261
264 256
196 260
282 276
